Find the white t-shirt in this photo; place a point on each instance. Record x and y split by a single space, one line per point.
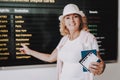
69 52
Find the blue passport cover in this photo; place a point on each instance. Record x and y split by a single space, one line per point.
84 54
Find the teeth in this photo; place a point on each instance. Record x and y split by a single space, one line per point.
72 25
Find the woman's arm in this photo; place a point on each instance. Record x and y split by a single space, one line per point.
42 56
96 68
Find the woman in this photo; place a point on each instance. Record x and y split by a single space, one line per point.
67 53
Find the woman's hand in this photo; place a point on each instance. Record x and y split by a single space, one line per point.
25 49
97 68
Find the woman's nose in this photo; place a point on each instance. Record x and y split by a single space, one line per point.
72 19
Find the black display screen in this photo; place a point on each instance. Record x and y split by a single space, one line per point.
36 24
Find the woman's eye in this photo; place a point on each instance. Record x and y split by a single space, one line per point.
76 16
67 17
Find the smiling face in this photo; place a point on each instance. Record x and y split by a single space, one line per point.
72 22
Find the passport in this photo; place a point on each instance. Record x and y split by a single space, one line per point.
88 56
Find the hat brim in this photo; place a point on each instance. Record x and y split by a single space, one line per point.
80 13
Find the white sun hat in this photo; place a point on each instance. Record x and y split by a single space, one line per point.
71 9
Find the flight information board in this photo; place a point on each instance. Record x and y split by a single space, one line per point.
35 23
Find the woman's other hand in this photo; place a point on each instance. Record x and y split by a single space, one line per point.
25 49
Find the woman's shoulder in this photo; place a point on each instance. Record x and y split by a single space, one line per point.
87 33
64 38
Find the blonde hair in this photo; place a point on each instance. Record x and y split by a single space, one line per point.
64 31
